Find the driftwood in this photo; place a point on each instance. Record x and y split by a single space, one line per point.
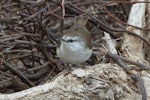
131 43
92 83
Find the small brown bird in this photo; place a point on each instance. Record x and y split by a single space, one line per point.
75 47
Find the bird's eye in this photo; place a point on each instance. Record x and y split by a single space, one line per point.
70 40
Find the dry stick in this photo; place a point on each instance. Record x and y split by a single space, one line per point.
17 57
18 73
103 5
127 2
39 12
51 37
33 44
39 67
141 84
142 66
43 49
37 75
118 20
135 75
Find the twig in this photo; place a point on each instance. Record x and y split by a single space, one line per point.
18 73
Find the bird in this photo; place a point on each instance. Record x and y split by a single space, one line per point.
75 46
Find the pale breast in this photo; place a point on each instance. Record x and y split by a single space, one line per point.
74 54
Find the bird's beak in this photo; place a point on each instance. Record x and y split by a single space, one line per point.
60 39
